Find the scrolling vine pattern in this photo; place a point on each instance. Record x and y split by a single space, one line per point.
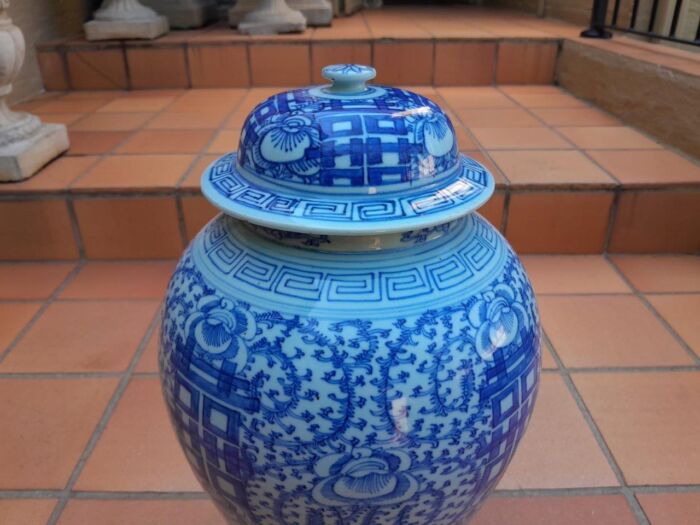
297 420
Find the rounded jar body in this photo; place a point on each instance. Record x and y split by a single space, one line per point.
376 380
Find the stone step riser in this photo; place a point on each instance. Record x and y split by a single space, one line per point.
194 64
159 225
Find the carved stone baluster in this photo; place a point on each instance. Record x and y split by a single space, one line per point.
269 17
125 19
26 144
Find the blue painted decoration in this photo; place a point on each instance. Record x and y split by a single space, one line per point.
352 368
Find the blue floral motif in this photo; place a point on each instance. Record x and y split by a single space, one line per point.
347 68
219 329
498 317
288 147
365 476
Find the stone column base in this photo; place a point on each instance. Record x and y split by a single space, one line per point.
239 11
23 159
272 18
126 29
185 15
316 12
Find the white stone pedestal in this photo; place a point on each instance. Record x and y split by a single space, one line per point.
316 12
26 144
185 14
271 17
125 19
21 160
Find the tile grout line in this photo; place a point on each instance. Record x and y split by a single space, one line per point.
650 307
565 374
498 493
103 421
46 303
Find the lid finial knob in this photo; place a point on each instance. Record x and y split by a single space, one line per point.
348 78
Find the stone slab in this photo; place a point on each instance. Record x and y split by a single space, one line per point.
185 14
270 27
316 12
21 160
132 29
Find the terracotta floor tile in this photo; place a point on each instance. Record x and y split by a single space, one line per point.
26 511
60 118
475 98
550 167
551 510
655 273
36 230
82 337
464 139
656 222
167 141
648 167
94 142
111 122
198 211
481 158
571 274
671 509
138 450
558 449
194 175
210 100
136 172
278 64
526 63
149 358
51 422
575 117
553 99
548 222
548 362
69 106
608 331
218 66
129 228
225 141
14 317
682 312
141 512
137 104
607 137
492 211
55 176
532 89
519 138
500 118
31 280
649 421
172 121
120 280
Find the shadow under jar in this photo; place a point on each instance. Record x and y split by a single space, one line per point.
349 342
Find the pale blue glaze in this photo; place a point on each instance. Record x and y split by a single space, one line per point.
352 368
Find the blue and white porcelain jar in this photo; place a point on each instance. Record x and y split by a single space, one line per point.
349 342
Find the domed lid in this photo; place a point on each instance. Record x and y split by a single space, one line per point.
347 159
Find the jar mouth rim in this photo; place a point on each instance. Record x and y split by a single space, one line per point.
229 189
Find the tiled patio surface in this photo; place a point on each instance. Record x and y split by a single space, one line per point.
559 163
613 441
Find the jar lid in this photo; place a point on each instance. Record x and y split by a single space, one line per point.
347 159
